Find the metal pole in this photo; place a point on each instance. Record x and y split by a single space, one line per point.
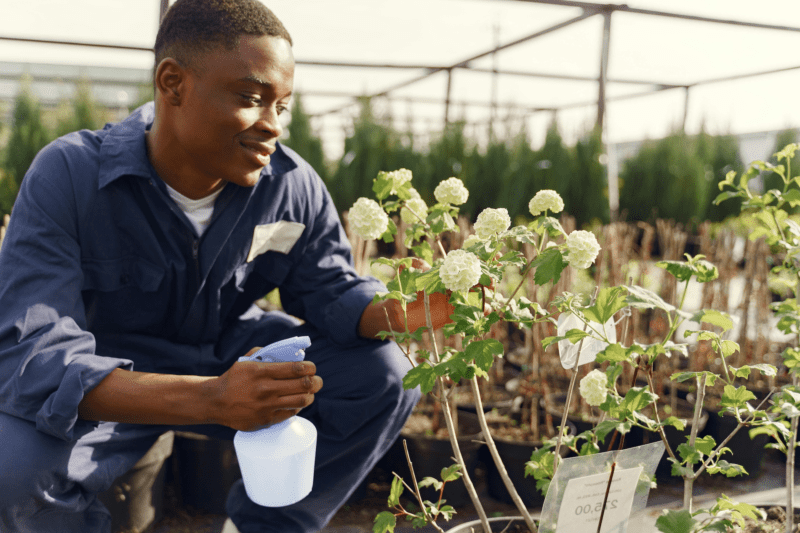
493 115
601 97
685 107
163 10
447 98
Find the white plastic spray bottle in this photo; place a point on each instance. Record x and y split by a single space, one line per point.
277 462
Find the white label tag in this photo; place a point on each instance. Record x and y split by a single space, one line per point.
583 501
278 237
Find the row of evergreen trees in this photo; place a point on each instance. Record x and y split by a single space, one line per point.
673 178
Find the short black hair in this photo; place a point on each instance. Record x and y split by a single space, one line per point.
191 27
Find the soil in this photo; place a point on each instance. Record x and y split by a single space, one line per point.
775 522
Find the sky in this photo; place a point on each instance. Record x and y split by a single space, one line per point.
444 32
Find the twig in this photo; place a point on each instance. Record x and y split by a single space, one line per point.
451 429
416 486
394 335
497 460
688 481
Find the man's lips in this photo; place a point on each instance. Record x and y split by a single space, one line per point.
262 151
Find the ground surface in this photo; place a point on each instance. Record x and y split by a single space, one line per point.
358 515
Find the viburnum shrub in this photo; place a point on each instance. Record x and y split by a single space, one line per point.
586 324
470 278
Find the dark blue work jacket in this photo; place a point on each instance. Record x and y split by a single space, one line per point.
100 269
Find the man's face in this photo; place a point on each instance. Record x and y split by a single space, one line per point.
227 122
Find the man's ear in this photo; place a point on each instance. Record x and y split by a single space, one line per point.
169 81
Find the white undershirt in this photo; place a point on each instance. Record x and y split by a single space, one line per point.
197 211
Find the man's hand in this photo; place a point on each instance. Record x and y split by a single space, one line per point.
251 395
248 396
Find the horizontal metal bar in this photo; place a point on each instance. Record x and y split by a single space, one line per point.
77 43
627 9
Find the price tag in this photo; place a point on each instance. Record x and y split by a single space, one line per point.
583 502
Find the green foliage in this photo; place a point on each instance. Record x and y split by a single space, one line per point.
304 141
587 198
8 193
675 178
28 134
772 180
83 115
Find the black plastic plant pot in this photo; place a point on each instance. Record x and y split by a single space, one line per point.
504 524
430 455
206 469
514 455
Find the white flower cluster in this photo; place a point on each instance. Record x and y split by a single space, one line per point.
399 178
545 200
414 211
367 219
460 270
451 191
594 387
491 222
582 248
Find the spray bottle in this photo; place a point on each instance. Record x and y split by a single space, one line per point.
277 462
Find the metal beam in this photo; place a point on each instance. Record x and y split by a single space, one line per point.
78 43
162 10
626 9
585 15
601 82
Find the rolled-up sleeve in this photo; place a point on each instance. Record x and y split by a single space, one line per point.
323 286
47 358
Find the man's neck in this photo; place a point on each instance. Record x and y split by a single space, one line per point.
177 177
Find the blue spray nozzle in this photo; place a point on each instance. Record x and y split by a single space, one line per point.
292 349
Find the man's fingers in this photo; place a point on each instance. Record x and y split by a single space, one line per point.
288 370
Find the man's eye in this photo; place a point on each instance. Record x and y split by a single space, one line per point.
282 108
251 99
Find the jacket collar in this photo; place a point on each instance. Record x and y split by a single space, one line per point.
123 151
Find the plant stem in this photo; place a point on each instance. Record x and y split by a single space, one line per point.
496 457
688 480
790 470
566 408
451 429
416 486
658 420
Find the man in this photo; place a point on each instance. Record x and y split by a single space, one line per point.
129 272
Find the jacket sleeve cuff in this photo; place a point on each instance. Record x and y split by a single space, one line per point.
59 414
344 314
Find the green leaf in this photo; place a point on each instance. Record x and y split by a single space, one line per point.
715 318
735 397
483 352
705 445
421 375
430 281
430 482
447 512
680 269
609 301
689 454
614 353
423 251
793 197
675 422
385 522
636 399
382 185
549 264
676 522
727 195
451 473
642 298
395 491
729 469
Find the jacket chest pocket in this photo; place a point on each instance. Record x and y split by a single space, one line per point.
125 295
